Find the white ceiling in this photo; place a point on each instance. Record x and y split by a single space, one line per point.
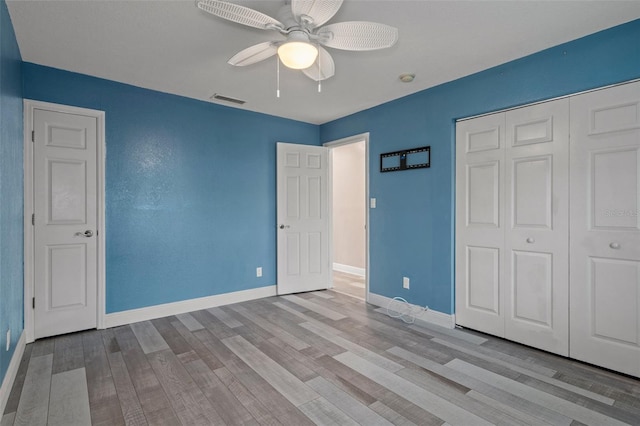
173 47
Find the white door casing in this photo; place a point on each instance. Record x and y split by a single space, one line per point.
480 164
303 219
537 231
64 264
605 228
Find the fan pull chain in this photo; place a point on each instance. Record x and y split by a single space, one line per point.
277 77
319 70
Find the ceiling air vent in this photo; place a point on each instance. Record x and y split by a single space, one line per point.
227 99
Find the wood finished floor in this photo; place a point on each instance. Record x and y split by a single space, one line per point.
350 284
322 357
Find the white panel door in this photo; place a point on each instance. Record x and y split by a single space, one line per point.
303 221
605 228
537 232
65 200
480 224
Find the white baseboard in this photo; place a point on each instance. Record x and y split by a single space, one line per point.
349 269
158 311
430 316
12 371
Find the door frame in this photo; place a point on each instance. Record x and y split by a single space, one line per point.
334 144
29 245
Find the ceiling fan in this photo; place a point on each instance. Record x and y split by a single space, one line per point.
302 25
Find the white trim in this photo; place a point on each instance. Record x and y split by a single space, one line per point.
548 100
333 144
429 316
29 107
353 270
158 311
12 371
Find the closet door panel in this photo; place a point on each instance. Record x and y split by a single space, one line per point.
536 234
480 224
605 228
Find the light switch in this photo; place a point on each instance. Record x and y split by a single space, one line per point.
372 203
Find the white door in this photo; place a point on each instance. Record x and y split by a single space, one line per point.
605 228
480 224
303 222
537 231
65 204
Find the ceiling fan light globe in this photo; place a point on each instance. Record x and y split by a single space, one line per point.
297 55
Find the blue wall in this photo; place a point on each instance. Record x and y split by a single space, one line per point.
11 194
412 228
190 188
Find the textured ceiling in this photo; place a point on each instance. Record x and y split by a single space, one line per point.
173 47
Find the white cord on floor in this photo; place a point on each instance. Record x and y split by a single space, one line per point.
400 308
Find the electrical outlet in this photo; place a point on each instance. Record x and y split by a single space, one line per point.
372 203
405 282
259 271
8 339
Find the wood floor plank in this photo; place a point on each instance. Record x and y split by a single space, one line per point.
366 385
103 399
322 412
224 317
222 399
255 407
422 398
109 341
462 400
319 309
153 400
68 353
188 402
323 294
286 383
7 419
43 347
530 373
569 409
69 400
33 408
261 391
346 403
276 331
197 346
148 337
532 409
18 383
131 408
190 322
389 414
174 340
331 334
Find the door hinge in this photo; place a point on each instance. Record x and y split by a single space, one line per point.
33 219
33 302
33 136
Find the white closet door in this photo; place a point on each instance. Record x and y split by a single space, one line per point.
605 228
480 224
537 229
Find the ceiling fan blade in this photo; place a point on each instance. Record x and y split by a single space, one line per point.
358 35
240 14
322 68
320 11
253 54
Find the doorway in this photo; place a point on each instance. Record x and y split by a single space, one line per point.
349 215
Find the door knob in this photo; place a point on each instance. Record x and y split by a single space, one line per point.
614 246
284 226
88 233
531 240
